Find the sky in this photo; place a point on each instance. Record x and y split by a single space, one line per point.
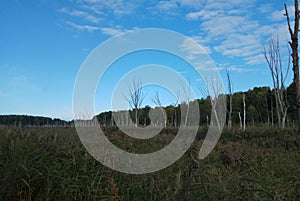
43 45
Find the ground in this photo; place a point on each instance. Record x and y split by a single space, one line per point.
50 163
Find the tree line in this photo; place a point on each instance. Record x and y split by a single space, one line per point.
260 109
27 120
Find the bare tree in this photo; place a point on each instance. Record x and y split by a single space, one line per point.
244 106
175 104
294 46
271 52
213 88
135 97
230 98
156 100
240 118
186 102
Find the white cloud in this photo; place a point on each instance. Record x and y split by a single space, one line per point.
166 5
105 30
111 31
239 45
257 59
239 69
117 7
208 65
232 27
193 3
277 15
175 7
193 15
201 42
192 48
82 27
79 13
171 4
265 8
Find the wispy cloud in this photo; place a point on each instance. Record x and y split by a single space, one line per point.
82 27
239 45
239 69
228 27
111 31
174 7
118 7
233 29
256 59
78 13
192 48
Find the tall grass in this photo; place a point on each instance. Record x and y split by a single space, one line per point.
51 164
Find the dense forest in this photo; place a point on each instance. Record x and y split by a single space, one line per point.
260 109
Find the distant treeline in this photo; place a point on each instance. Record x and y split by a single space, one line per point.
25 120
260 110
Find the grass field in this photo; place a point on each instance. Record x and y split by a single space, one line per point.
51 164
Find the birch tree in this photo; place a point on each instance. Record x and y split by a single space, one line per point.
156 100
135 98
271 52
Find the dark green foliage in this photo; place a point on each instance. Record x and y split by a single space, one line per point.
25 120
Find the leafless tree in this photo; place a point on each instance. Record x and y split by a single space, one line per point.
175 104
187 96
294 46
271 52
230 98
135 97
156 100
244 106
240 118
212 92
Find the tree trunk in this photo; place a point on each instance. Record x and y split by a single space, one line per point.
230 112
207 120
295 58
277 106
230 98
241 124
244 104
136 117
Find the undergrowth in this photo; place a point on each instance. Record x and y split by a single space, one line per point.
52 164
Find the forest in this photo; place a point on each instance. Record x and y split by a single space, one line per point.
261 110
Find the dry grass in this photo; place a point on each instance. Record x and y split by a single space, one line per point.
51 164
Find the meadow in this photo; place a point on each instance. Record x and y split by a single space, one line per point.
50 163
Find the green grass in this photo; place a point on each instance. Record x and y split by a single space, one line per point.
52 164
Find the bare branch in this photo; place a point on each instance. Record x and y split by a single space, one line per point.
156 99
135 97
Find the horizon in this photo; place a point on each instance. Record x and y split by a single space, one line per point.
44 45
151 106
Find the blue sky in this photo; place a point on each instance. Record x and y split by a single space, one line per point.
44 43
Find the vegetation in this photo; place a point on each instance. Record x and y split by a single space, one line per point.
260 106
43 159
50 164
